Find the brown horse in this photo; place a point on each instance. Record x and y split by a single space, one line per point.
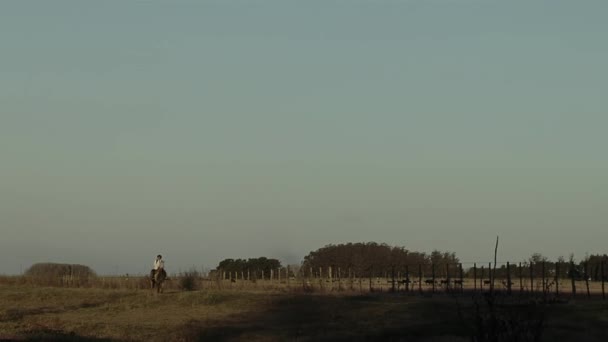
158 279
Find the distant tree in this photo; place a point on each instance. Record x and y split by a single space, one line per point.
258 266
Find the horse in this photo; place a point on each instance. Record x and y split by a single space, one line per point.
158 279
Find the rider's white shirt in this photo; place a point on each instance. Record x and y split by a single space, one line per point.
159 264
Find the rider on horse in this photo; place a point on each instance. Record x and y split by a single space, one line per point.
159 266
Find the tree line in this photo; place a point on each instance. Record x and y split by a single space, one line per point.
371 259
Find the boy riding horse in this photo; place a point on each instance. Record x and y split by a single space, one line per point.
159 267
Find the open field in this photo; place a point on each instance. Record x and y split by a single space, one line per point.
360 285
90 314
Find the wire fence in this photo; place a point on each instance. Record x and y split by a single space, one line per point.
545 278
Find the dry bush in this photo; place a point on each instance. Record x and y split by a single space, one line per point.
188 281
52 274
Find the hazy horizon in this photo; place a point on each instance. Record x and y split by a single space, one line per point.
234 129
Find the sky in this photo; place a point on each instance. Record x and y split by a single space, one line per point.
205 130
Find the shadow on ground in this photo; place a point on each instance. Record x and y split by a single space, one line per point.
336 318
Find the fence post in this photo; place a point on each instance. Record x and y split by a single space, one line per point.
508 278
492 276
557 279
521 282
572 279
481 279
407 278
587 279
602 274
393 278
531 277
447 277
433 276
321 278
474 277
544 282
420 278
461 279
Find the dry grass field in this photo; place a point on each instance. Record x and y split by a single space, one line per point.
92 314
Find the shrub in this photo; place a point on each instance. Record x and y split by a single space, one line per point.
189 280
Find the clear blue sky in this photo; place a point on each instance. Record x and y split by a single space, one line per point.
211 129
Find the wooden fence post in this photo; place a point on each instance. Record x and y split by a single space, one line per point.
587 279
433 276
508 278
544 282
557 279
572 279
407 278
447 277
420 278
461 279
474 277
603 275
492 276
531 277
393 278
521 280
321 278
481 279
